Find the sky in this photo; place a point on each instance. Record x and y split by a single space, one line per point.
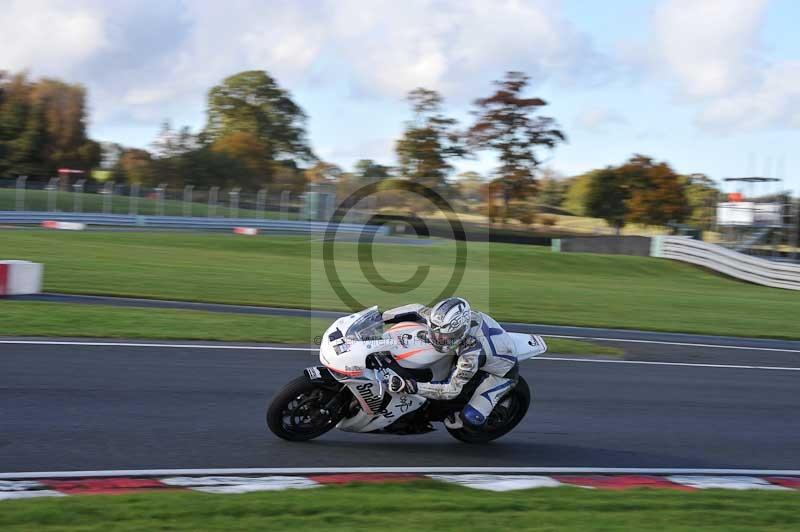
710 86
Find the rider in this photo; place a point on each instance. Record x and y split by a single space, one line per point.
484 350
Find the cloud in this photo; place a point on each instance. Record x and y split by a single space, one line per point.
458 46
52 37
708 46
774 103
599 119
712 52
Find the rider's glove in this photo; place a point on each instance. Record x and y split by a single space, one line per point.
398 384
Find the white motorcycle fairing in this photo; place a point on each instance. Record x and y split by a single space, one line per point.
348 342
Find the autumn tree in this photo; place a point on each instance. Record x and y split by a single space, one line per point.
640 191
606 197
248 150
657 194
252 103
136 166
430 140
509 124
43 126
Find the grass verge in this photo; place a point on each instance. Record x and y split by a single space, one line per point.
417 506
563 346
22 318
99 321
514 283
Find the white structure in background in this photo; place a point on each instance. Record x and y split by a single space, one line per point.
20 277
749 213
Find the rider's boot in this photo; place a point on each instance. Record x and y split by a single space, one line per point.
486 396
453 421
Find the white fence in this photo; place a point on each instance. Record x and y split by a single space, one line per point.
738 265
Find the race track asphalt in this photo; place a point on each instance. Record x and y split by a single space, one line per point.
80 407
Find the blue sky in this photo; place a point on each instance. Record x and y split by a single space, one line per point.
711 86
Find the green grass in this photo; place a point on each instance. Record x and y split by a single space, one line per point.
417 506
563 346
99 321
37 200
514 283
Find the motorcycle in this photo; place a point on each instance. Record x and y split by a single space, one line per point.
348 390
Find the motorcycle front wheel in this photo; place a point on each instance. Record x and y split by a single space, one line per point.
505 416
297 412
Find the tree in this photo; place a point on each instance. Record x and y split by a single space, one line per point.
252 169
253 103
43 126
470 185
136 166
657 194
429 141
577 191
508 123
703 195
368 171
606 197
323 172
553 188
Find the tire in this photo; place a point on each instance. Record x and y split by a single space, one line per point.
298 400
520 400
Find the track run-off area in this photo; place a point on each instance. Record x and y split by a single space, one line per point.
675 402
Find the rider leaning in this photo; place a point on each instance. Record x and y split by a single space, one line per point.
484 350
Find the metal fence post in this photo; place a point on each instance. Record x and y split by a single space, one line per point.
796 229
233 196
52 188
285 195
160 198
20 194
212 201
261 202
108 194
187 200
133 202
77 195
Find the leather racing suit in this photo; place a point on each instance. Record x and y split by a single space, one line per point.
485 353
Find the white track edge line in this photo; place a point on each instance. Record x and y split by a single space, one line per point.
223 346
312 349
418 470
659 363
681 344
143 344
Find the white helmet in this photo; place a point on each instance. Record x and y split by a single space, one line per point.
449 322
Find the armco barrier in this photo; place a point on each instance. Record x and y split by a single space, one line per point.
738 265
176 222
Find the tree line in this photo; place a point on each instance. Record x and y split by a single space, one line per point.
256 135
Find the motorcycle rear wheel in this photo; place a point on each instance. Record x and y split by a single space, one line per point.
296 412
502 420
